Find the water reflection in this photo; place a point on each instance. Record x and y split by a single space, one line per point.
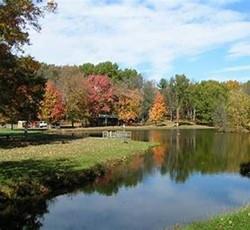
24 214
245 169
185 152
191 174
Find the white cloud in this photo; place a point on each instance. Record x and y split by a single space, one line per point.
240 49
133 33
234 69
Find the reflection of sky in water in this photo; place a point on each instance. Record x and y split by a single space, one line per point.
191 175
154 203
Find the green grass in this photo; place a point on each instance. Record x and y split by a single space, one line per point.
4 131
45 163
237 220
17 138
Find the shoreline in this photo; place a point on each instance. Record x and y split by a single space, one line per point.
130 128
237 219
41 170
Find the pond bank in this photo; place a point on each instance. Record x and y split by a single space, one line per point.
40 170
129 128
237 220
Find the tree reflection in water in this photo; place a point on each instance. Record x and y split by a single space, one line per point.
23 214
179 155
245 169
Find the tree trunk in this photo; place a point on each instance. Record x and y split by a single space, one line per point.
11 126
194 114
177 116
72 123
26 129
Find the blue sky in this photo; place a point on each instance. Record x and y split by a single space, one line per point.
202 39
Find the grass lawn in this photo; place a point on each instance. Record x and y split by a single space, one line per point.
49 162
238 220
4 131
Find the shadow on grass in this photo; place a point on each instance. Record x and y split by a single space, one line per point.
33 169
13 140
36 177
30 178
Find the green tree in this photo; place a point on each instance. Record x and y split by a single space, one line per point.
178 90
148 94
130 78
109 69
206 97
88 69
163 83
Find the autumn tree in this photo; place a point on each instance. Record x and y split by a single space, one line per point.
21 90
232 85
128 106
16 16
101 96
74 88
52 107
21 87
246 87
238 109
158 109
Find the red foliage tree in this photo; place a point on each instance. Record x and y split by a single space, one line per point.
101 96
52 108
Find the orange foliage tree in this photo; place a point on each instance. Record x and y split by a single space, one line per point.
128 106
158 110
52 107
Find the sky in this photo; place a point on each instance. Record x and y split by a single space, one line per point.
203 39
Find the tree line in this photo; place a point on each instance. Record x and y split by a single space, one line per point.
30 90
87 91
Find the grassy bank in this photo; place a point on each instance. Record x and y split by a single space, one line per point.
237 220
36 169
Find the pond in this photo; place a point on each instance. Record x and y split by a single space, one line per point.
191 175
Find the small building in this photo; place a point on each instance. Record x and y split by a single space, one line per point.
21 124
107 120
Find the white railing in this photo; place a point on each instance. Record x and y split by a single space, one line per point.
117 134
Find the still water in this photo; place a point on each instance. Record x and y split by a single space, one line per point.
191 175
